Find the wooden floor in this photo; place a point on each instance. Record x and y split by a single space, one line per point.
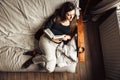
79 75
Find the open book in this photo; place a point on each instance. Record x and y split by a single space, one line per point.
51 35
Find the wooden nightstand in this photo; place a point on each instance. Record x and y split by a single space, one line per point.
81 43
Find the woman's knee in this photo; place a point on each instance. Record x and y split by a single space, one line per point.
50 65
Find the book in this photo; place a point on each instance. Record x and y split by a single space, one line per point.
50 34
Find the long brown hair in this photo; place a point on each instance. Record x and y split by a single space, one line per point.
73 26
63 9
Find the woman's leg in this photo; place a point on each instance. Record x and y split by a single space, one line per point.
49 49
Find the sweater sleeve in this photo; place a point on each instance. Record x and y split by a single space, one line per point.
49 22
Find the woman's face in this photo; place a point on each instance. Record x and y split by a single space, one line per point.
70 15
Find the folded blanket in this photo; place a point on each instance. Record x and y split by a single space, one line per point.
66 54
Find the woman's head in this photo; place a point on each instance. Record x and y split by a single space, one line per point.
66 11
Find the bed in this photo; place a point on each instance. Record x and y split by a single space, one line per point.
19 21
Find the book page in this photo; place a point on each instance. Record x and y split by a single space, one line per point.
51 35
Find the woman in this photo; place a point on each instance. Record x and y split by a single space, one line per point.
60 23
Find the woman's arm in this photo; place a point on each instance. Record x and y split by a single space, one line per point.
65 38
49 22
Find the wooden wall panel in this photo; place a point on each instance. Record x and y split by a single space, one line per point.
95 52
110 40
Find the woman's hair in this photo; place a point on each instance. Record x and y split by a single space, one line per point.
73 26
61 15
64 8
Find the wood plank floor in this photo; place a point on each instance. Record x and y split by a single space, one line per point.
79 75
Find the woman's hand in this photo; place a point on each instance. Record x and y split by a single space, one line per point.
66 37
57 40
